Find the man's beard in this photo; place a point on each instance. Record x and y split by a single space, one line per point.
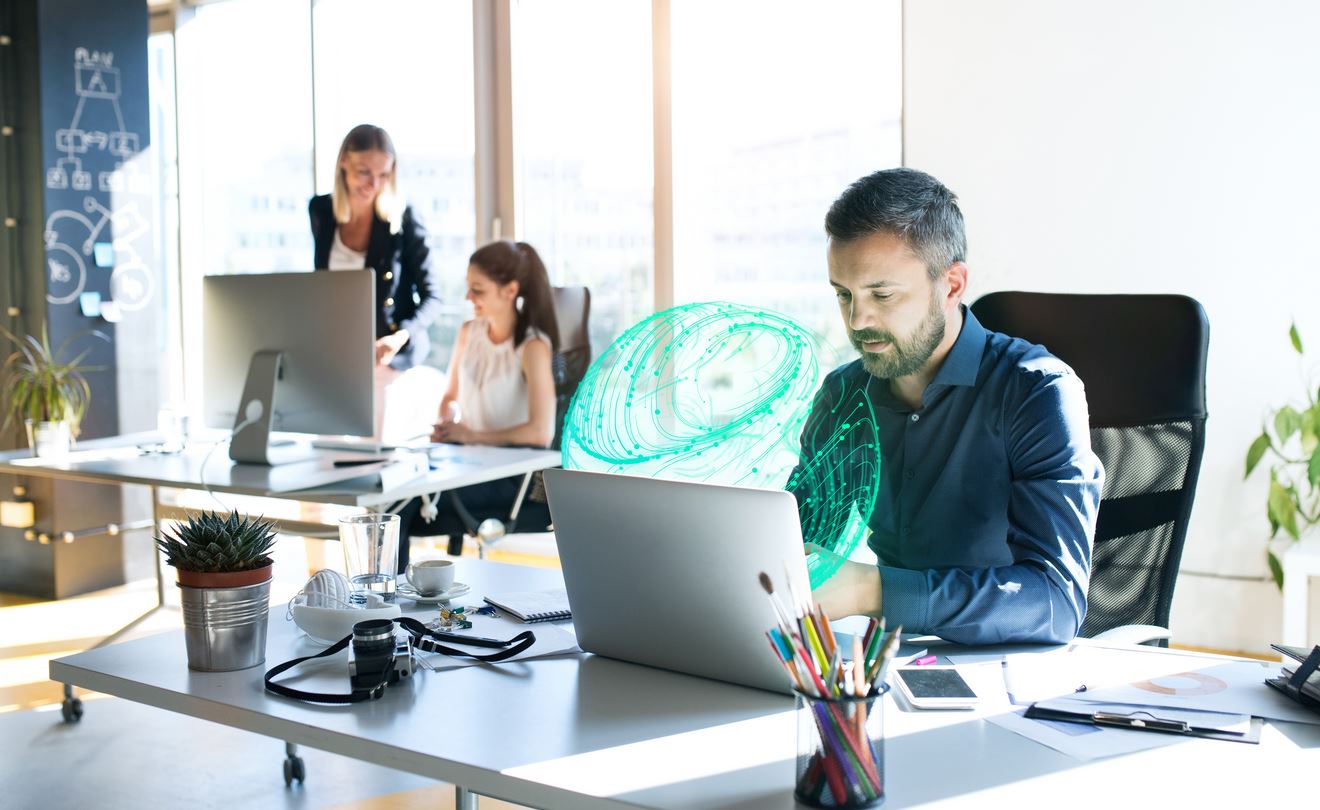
904 357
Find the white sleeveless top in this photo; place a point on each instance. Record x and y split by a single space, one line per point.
492 391
343 257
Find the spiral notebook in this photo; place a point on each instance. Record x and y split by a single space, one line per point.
533 606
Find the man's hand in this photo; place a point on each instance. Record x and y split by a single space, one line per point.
389 346
853 590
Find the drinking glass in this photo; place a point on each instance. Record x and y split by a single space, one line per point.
371 554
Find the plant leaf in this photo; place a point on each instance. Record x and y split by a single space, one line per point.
1256 451
1313 468
1276 569
1283 509
1310 429
1269 508
1295 338
1286 422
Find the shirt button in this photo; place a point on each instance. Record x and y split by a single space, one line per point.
916 417
389 302
389 274
907 530
908 474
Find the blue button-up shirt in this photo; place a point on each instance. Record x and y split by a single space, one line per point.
988 493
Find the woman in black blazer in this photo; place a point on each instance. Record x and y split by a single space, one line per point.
365 224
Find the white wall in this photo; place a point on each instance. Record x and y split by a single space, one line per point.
1147 146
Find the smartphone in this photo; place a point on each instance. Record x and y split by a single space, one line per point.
934 687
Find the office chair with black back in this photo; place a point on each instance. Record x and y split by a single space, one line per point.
1142 359
572 311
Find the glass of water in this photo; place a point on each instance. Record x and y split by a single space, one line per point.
371 554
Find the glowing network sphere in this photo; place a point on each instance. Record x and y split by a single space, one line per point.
721 393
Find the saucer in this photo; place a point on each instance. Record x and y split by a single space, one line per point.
407 591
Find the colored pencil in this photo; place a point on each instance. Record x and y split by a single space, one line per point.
846 762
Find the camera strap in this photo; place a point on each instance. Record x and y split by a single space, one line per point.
423 638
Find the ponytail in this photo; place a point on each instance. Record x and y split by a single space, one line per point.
538 302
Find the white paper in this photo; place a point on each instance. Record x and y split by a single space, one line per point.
550 640
1235 688
1063 671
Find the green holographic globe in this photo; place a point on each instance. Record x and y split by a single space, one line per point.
722 393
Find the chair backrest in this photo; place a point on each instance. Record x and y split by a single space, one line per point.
572 310
1143 360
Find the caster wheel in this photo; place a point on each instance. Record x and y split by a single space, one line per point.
71 710
295 770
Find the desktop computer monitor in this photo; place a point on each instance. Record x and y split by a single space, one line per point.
288 352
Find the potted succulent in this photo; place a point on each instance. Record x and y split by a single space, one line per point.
224 572
1291 437
47 393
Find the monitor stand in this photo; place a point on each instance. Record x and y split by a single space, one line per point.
250 443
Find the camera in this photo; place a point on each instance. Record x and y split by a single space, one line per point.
379 658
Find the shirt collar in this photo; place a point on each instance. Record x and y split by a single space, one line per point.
963 363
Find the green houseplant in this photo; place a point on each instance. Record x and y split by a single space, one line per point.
224 572
43 390
1291 439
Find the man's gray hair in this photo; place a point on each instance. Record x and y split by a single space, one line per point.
908 203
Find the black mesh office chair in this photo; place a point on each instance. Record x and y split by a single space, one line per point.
1142 359
572 311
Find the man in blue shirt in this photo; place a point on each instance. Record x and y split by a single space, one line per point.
988 488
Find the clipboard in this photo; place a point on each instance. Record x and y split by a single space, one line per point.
1142 718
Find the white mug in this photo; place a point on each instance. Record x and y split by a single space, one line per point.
431 576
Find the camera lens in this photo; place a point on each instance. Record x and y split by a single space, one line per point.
373 652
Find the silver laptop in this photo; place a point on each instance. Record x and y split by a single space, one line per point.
665 573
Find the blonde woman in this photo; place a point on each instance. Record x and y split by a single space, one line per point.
365 224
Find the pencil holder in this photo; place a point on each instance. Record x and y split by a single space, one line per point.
841 750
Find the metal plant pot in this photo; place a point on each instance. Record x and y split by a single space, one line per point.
225 628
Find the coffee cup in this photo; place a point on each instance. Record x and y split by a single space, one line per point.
431 576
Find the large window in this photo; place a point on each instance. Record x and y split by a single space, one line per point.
245 107
243 70
776 108
406 65
582 142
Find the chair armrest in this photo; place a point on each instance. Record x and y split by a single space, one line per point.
1134 634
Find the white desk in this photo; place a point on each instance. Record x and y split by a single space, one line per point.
581 732
116 460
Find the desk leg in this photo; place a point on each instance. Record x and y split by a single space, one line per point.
156 519
518 501
295 770
71 708
464 799
1296 587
